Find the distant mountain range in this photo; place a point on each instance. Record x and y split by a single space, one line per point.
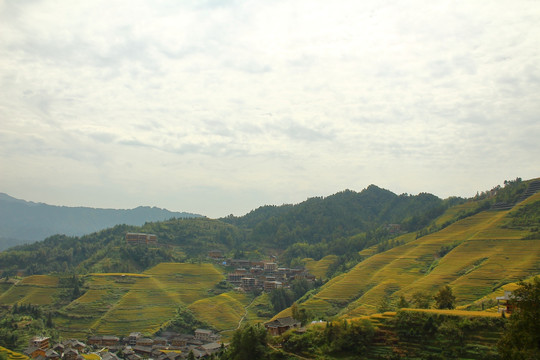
24 221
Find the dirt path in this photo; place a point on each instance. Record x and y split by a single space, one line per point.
245 314
241 319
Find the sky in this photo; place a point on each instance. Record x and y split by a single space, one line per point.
219 107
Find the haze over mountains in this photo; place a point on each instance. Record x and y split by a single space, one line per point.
25 221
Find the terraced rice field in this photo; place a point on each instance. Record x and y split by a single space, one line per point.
12 355
40 280
259 306
36 289
152 300
320 267
4 287
223 311
488 256
455 212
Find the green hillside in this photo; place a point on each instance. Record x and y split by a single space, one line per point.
475 256
368 249
118 303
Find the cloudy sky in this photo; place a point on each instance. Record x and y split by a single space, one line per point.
219 107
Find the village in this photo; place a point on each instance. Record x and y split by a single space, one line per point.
203 344
169 346
248 275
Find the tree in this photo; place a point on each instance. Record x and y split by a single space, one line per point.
521 338
384 305
421 299
191 356
248 343
445 299
49 322
402 303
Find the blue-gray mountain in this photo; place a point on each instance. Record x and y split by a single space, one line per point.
23 221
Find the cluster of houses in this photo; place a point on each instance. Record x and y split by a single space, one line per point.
262 275
141 239
169 346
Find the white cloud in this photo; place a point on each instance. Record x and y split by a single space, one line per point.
220 107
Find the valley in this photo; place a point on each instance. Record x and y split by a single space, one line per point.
359 270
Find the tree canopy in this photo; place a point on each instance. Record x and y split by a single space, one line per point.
445 299
521 338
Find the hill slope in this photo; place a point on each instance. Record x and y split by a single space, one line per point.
474 256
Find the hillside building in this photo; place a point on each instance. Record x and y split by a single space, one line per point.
215 254
203 334
141 239
280 325
39 342
504 303
133 337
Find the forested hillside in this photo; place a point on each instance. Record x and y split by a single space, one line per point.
475 255
340 224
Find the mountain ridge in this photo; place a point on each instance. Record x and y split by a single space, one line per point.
24 221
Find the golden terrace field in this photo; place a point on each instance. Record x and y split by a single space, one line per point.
486 257
223 311
12 355
151 301
121 303
320 267
118 303
36 289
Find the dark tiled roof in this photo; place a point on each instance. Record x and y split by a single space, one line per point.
286 321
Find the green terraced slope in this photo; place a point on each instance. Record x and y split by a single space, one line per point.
12 355
36 290
486 257
121 303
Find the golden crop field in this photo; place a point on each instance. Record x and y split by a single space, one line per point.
28 294
151 300
122 275
40 280
35 289
486 256
320 267
223 311
12 355
456 312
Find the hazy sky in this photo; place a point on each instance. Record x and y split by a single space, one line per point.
219 107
